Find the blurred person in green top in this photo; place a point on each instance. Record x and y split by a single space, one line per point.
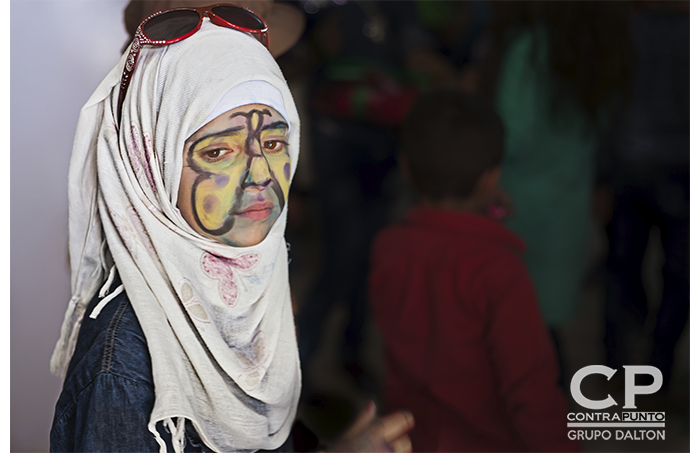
557 74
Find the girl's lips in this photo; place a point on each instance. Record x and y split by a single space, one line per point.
257 211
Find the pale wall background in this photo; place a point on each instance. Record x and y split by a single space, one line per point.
60 51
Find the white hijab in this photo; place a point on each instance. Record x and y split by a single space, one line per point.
217 319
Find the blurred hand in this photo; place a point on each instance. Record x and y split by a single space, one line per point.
370 434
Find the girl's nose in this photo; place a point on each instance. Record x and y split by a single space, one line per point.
258 174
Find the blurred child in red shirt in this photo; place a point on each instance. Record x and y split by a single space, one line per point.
466 349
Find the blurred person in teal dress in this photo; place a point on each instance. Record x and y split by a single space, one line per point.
559 71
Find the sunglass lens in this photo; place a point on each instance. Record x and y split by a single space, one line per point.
171 25
238 16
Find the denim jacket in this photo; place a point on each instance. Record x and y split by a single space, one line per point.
108 391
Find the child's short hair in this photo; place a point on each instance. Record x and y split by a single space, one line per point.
449 139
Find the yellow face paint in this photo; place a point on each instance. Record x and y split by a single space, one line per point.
235 176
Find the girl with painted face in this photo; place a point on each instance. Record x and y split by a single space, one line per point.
185 200
180 333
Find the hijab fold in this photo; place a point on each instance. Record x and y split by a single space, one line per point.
217 319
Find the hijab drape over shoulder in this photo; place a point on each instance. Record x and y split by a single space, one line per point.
217 319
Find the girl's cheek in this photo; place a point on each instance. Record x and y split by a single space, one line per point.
214 199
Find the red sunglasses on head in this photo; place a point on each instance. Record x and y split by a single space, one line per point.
174 25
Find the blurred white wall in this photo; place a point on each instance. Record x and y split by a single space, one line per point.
60 51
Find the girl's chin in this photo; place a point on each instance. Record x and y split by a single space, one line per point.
253 235
243 242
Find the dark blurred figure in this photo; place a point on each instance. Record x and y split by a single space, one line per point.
650 177
375 58
352 145
466 350
557 74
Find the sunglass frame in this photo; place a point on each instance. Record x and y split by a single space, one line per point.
140 40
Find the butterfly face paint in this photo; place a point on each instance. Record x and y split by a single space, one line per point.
235 175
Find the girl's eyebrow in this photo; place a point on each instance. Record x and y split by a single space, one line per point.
229 131
276 125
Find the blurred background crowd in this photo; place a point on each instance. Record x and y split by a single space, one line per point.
595 101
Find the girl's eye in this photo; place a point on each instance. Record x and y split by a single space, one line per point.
273 145
213 155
